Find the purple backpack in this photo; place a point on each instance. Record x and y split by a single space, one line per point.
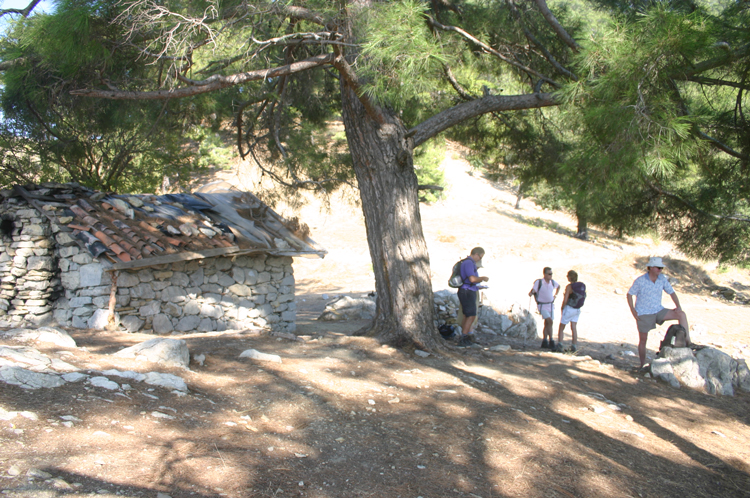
577 294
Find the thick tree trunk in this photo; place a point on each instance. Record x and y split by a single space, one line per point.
583 225
388 189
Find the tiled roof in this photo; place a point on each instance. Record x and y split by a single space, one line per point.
216 219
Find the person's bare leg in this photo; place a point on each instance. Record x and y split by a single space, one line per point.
560 333
681 318
574 332
548 328
466 327
642 338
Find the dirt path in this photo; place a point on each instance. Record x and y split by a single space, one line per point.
519 243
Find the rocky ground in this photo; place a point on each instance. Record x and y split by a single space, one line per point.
343 416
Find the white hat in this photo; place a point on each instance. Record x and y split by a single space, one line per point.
654 261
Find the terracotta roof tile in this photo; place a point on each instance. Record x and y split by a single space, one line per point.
127 227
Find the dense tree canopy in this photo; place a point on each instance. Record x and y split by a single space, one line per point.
648 126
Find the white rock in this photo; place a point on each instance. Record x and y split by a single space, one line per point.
500 347
73 377
104 382
127 374
257 355
100 320
39 474
170 352
162 415
423 354
27 379
168 381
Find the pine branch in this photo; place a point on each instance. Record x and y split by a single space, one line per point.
556 26
467 110
211 84
715 82
24 12
656 188
346 72
533 39
531 72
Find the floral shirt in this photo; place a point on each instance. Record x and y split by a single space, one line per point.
648 293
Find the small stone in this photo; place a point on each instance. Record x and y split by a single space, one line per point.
58 483
39 474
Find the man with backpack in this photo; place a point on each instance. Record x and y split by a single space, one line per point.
647 310
545 291
467 293
575 294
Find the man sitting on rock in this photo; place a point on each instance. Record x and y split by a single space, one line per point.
648 311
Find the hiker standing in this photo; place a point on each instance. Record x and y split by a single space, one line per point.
545 291
467 293
648 311
575 293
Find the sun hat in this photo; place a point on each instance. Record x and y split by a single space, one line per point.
654 261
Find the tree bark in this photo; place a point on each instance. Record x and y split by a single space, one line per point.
388 187
583 225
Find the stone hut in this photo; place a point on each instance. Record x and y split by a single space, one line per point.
216 259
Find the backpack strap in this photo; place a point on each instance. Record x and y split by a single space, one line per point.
539 290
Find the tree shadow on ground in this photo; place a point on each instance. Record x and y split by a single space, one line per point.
344 416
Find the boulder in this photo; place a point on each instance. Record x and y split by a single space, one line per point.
708 369
45 334
684 366
349 308
27 379
169 352
717 368
100 320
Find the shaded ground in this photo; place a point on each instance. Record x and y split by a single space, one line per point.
346 416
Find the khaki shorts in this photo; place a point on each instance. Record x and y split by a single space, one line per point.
649 322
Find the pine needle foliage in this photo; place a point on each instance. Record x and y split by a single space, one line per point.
401 60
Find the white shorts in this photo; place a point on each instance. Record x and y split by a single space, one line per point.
547 311
570 315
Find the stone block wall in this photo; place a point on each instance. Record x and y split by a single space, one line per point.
46 277
29 277
211 294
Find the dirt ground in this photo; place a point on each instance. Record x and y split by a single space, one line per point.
345 416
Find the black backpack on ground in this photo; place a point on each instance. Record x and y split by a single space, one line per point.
577 295
447 331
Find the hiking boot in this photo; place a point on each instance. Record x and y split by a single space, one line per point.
559 348
545 344
552 345
573 348
464 341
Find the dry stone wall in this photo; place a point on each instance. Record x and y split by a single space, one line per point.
206 295
46 277
29 276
